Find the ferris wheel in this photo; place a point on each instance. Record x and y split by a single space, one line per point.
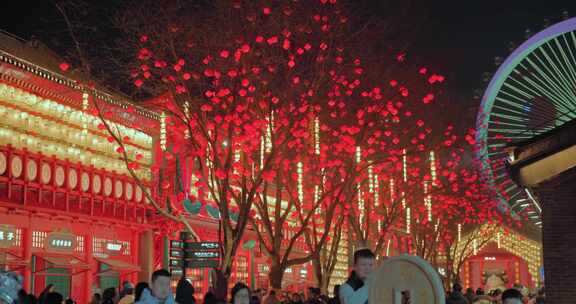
532 92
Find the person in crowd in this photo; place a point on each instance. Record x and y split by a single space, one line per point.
96 299
254 300
482 299
240 294
297 299
541 297
271 298
30 299
335 299
42 297
159 291
10 285
496 296
22 294
127 294
512 296
314 296
355 291
124 288
185 292
456 296
54 298
470 295
405 296
139 289
109 296
209 298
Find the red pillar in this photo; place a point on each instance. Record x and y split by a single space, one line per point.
88 274
27 244
480 272
135 247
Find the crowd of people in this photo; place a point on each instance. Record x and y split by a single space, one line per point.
159 291
515 295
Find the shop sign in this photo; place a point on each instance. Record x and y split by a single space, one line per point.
7 236
175 253
113 248
202 254
201 246
175 263
175 244
176 272
61 241
202 263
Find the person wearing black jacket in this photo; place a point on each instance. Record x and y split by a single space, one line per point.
456 296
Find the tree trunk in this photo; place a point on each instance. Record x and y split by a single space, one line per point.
221 284
318 273
324 284
275 276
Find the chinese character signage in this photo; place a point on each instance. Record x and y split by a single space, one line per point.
201 246
113 248
61 241
201 254
186 254
7 236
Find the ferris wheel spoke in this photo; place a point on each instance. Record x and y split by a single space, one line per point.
568 64
546 90
558 65
552 89
540 80
565 83
572 52
533 91
510 117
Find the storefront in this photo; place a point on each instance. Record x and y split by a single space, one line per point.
70 216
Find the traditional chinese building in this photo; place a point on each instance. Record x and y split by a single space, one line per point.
70 214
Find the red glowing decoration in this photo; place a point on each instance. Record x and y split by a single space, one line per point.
64 66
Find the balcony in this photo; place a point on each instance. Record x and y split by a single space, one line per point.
40 183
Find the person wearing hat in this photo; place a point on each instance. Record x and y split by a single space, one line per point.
10 284
128 291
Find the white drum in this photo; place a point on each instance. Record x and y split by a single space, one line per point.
16 166
405 276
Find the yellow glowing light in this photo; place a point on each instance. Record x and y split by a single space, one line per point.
268 138
408 220
404 165
360 204
370 179
433 167
300 171
262 150
317 135
392 195
427 201
163 141
53 112
317 198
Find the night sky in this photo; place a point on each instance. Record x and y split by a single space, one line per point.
456 37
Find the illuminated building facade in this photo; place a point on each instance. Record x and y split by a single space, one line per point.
70 215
